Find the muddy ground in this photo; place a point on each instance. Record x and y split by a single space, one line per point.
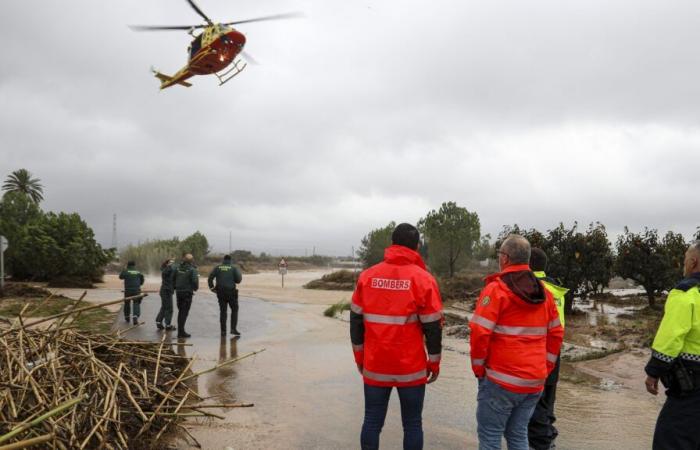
308 394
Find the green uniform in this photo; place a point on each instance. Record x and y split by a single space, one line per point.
675 357
185 278
166 276
227 277
165 314
558 292
186 281
133 280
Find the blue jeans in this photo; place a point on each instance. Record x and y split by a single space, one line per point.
499 413
376 405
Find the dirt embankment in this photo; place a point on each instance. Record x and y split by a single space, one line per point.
341 280
38 302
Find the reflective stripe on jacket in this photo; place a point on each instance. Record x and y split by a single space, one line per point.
558 293
396 311
515 339
679 332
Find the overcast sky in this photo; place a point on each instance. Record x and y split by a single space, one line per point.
364 112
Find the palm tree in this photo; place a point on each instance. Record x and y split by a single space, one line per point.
21 181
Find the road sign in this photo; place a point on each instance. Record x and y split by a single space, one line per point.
283 269
3 246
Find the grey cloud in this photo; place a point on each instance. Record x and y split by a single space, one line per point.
531 112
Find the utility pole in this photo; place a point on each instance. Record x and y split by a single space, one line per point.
229 243
115 243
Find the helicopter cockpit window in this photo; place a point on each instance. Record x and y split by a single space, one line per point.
196 45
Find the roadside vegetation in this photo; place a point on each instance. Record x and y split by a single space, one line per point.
337 309
59 248
37 302
149 255
340 280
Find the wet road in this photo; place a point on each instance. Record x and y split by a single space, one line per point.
307 392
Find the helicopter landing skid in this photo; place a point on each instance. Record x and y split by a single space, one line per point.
236 68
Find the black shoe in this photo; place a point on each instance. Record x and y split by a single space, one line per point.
136 321
170 328
159 325
223 333
126 319
182 334
235 332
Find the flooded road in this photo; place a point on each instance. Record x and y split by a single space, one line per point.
308 394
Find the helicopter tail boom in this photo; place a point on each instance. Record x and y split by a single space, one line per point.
167 81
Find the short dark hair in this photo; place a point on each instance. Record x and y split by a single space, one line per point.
538 260
227 257
406 235
131 263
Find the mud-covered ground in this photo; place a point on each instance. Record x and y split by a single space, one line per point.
307 392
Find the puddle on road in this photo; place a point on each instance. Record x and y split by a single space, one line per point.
602 313
308 394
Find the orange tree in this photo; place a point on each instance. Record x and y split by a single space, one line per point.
653 262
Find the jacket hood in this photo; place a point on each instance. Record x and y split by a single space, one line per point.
523 283
398 254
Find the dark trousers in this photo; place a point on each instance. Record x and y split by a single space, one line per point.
228 298
678 423
541 431
127 305
166 307
184 302
376 405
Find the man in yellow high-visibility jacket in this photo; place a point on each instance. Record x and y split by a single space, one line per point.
675 360
541 432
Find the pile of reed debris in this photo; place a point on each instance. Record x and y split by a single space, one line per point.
65 388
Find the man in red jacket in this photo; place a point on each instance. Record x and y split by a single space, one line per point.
515 340
396 313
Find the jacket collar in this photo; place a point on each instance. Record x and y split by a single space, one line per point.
540 274
398 254
509 269
515 268
689 282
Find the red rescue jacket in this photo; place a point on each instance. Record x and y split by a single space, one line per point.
515 331
394 301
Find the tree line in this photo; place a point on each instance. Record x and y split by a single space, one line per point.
149 255
46 246
582 260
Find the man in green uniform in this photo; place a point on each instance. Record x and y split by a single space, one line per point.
675 360
165 315
133 280
186 282
541 431
227 277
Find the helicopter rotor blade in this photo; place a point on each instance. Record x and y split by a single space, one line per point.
289 15
164 28
199 11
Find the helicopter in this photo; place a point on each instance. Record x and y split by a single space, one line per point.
212 51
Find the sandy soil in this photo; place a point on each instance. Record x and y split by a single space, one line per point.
307 394
264 285
268 286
